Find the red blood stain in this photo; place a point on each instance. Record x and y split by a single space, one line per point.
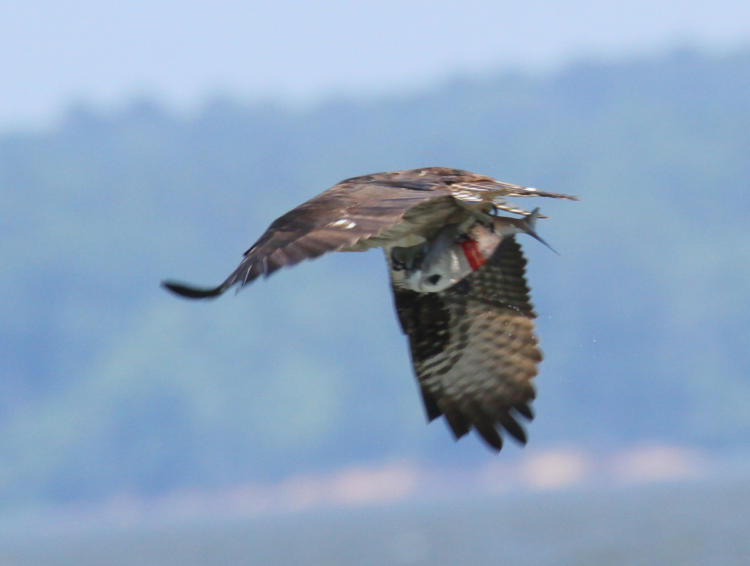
472 253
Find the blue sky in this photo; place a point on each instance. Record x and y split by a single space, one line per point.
54 53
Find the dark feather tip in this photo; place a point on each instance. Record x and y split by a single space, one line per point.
191 292
488 433
513 428
525 410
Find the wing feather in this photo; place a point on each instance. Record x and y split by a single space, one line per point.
364 212
345 216
474 349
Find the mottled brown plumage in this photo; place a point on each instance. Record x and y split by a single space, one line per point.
473 346
457 275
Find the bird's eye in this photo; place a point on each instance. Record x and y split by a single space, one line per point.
433 279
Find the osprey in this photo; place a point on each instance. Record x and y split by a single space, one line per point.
457 275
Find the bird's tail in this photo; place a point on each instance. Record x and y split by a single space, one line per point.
528 225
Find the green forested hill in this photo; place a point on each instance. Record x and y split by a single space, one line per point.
110 384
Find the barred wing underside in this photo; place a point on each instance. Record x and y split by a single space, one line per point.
473 347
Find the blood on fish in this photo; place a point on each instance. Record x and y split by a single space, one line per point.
472 253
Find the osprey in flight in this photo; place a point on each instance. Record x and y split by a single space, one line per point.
457 275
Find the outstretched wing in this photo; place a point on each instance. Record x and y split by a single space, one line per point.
473 347
349 215
368 211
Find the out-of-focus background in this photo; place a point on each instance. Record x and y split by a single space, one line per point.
143 140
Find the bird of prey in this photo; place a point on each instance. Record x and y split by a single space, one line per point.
457 276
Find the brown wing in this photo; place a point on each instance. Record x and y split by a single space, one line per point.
364 212
345 216
474 349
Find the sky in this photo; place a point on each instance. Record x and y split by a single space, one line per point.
54 54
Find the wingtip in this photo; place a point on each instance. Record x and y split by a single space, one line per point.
525 410
516 431
553 195
489 434
192 292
